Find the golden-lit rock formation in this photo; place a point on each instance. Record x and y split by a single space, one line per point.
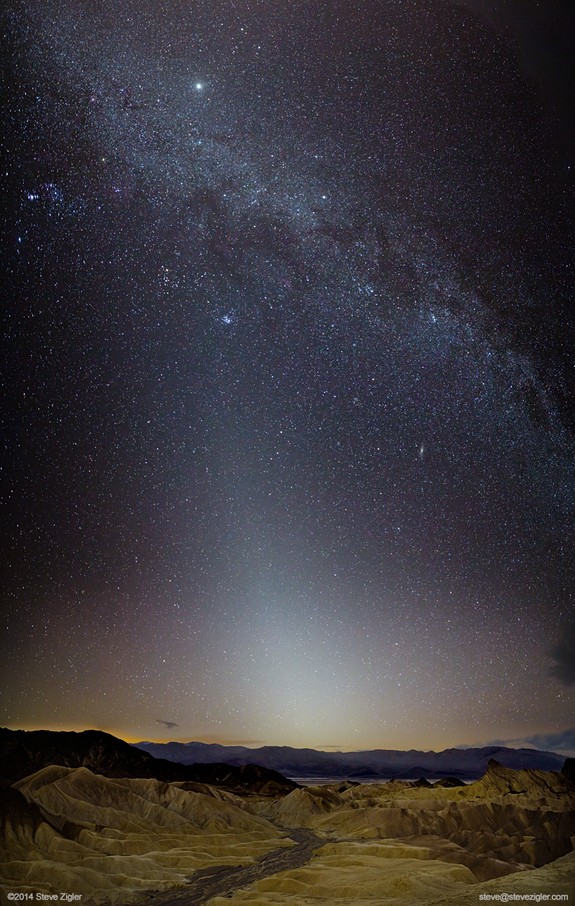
70 831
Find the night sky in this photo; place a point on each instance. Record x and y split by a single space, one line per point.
289 435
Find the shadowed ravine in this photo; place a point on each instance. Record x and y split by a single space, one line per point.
224 879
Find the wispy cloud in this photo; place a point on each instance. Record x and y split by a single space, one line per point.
565 740
168 723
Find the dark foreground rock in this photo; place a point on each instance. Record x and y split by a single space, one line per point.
568 769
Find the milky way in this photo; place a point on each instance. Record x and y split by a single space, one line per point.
289 437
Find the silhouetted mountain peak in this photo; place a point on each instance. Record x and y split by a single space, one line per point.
25 752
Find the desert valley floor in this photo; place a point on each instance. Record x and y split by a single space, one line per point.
67 830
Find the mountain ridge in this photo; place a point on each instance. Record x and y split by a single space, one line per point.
23 753
470 763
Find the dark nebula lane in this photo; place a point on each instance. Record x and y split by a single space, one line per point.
289 334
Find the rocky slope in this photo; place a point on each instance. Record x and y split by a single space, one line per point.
117 840
68 830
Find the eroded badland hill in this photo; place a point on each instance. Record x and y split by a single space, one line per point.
122 840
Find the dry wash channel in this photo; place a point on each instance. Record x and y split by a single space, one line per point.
132 840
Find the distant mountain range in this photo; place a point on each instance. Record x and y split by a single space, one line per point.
379 763
241 769
25 752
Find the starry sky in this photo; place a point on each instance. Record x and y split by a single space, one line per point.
289 398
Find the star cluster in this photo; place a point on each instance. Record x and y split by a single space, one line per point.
289 439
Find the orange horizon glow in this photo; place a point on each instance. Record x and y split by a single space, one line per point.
133 738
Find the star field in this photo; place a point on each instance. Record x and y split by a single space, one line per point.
289 424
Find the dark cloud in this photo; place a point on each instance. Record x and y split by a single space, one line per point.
168 723
564 655
546 742
551 741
